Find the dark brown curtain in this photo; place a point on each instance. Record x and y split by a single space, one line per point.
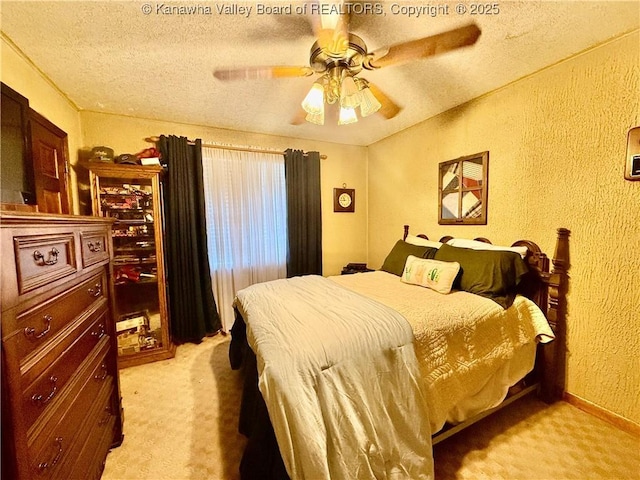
304 213
194 313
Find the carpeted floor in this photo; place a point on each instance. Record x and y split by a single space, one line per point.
181 423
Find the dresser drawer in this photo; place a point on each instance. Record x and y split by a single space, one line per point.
38 394
99 432
41 259
58 435
94 247
36 327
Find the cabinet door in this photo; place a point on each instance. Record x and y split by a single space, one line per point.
16 175
50 164
132 196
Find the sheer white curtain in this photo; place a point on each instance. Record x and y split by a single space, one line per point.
245 202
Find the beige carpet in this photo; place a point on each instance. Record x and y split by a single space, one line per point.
181 423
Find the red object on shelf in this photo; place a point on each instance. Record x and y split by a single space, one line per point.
128 272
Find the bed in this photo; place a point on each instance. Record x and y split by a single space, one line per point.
357 376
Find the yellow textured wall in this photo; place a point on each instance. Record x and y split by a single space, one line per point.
557 143
21 75
344 235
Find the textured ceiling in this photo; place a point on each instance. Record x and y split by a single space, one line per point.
112 57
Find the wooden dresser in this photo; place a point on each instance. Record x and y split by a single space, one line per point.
61 410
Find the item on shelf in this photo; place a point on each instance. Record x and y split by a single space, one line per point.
150 152
150 161
127 158
132 322
135 334
149 156
127 272
101 154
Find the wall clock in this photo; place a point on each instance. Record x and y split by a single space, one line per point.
344 200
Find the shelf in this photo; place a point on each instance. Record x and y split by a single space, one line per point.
133 236
139 261
121 221
128 194
130 283
131 196
149 248
118 209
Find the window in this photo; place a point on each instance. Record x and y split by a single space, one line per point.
246 212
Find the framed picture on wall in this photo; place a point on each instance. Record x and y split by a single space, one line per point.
462 190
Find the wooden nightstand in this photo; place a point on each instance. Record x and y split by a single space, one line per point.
355 268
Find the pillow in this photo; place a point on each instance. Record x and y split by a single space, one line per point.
394 263
477 245
413 240
492 274
433 274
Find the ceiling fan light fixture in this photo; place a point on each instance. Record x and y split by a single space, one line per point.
313 103
369 103
347 116
317 118
350 96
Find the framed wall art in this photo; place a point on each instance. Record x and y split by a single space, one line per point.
462 190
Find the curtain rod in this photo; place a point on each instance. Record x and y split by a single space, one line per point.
230 147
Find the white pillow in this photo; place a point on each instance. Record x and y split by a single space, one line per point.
433 274
477 245
423 242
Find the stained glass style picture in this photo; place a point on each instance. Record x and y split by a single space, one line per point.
462 187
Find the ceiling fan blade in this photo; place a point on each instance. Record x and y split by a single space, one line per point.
257 73
330 22
424 47
389 108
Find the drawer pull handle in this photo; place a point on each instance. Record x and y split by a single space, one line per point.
95 291
56 459
105 419
104 374
95 247
39 399
52 260
100 332
31 332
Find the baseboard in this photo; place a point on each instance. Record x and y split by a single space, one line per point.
603 414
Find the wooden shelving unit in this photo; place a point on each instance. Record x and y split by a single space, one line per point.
133 196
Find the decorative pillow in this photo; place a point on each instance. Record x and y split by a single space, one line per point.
394 263
413 240
492 274
477 245
433 274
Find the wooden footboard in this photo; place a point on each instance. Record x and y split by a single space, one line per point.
548 290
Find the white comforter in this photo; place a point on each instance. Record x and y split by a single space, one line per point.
462 341
339 376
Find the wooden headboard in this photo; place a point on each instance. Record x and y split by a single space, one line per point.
548 290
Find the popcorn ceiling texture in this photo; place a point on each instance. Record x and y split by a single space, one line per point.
557 142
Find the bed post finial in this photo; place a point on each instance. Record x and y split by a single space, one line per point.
406 232
555 352
561 254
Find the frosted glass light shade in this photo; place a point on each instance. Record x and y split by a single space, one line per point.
313 103
369 103
350 96
317 118
347 115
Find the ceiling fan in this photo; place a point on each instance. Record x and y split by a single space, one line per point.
339 56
